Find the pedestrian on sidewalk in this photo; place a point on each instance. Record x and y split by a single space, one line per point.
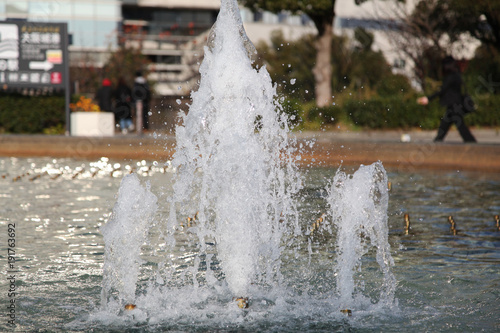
450 96
123 108
103 96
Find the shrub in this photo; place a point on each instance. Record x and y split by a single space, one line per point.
487 112
30 114
325 115
394 112
390 112
394 85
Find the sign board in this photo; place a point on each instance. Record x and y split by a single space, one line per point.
33 54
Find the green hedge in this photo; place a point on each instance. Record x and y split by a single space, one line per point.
45 114
326 115
394 112
487 112
30 114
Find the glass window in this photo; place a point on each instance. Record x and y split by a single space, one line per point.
93 33
39 8
246 15
269 18
82 9
83 33
105 33
203 18
109 11
52 9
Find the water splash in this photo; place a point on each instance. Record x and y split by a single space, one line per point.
124 234
234 159
358 206
235 170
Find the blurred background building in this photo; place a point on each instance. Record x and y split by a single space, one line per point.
171 33
92 25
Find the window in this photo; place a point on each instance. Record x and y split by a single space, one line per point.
399 63
83 33
83 9
109 11
105 33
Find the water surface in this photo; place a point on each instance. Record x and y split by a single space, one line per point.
445 282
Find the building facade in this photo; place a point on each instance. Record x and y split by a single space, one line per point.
92 24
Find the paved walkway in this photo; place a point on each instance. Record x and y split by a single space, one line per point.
329 148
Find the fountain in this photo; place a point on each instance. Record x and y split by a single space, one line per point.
220 238
124 235
236 169
238 142
359 210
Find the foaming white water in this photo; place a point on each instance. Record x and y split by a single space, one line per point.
358 206
236 172
234 159
124 234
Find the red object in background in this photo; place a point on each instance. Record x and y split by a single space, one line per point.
462 64
56 78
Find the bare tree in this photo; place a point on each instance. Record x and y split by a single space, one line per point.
424 31
322 14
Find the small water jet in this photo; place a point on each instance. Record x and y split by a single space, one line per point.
358 206
124 234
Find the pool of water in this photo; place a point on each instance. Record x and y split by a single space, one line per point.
446 280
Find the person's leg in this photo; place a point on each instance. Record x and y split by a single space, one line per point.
443 127
464 130
145 116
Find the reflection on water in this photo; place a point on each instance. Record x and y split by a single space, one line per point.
445 281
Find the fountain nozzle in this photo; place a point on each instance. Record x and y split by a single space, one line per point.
315 225
453 225
130 306
347 312
407 224
242 302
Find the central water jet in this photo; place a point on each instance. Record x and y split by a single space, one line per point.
234 159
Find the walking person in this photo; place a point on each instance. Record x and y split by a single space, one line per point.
104 95
141 92
450 96
123 108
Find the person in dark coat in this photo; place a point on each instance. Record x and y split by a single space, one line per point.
450 96
141 92
104 95
123 108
